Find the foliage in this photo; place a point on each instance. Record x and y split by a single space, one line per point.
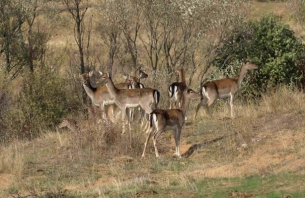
271 45
40 105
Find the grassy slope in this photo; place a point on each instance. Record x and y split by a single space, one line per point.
259 154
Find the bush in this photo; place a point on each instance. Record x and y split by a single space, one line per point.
272 46
40 105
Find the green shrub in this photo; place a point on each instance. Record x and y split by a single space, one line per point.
272 46
40 105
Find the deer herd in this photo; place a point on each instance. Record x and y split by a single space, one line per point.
132 94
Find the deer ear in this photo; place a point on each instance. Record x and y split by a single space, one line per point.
90 73
101 73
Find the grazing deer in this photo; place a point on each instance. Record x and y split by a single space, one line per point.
223 88
169 119
176 90
147 98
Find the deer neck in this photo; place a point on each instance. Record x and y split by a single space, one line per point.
111 88
182 76
185 104
241 75
89 89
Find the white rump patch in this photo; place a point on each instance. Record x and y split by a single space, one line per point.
205 93
176 92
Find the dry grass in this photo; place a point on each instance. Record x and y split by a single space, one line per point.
12 159
97 160
266 138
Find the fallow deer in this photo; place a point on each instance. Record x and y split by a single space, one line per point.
223 88
136 78
176 90
169 119
146 98
99 95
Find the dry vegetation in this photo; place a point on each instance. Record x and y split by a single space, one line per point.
258 154
266 138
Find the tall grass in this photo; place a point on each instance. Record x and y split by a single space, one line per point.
283 99
12 159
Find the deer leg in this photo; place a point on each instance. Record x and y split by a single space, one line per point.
179 99
171 102
110 113
208 106
150 133
177 134
142 117
146 121
128 113
104 116
231 105
186 111
197 109
155 144
201 103
123 119
155 139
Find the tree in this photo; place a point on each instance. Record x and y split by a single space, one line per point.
109 29
130 22
12 18
271 45
77 11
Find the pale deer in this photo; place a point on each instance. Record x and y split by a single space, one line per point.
99 95
176 90
146 98
169 119
134 83
223 88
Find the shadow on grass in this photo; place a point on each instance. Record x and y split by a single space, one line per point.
194 147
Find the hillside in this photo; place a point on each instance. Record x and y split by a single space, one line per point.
260 153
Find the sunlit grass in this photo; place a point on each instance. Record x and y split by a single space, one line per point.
93 162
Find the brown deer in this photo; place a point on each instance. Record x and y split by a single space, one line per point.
146 98
169 119
176 90
223 88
